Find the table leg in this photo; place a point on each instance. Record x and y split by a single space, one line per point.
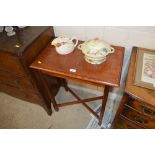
104 101
40 86
64 84
49 93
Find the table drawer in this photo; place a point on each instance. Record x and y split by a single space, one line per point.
147 110
138 118
15 81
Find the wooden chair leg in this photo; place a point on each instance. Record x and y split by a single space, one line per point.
104 101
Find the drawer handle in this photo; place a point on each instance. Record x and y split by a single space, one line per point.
138 120
148 111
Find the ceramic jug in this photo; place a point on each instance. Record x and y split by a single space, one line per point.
64 45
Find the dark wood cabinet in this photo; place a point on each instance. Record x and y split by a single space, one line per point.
16 54
137 107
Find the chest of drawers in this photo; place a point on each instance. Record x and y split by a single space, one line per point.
16 54
137 107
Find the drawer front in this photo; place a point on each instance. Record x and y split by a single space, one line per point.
15 81
147 110
124 123
11 64
138 117
33 97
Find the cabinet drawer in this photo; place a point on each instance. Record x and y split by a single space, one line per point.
124 123
11 64
33 97
15 81
138 118
147 110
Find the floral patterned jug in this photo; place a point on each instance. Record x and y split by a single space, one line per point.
65 45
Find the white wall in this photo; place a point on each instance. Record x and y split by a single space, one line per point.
141 36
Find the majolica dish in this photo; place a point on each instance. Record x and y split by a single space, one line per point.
64 45
96 50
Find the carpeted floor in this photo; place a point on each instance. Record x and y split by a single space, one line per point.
18 114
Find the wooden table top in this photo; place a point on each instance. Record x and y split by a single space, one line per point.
143 94
107 73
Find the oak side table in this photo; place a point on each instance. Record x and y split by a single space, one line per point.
107 74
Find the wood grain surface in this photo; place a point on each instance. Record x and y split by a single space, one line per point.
107 73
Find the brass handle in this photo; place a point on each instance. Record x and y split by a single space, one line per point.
138 120
148 111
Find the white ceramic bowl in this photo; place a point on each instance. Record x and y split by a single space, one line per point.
94 60
96 50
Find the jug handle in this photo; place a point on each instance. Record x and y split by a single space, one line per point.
112 50
80 47
74 38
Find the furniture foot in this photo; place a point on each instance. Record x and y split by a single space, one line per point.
55 105
104 101
49 111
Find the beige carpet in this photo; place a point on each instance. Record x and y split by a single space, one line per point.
16 113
